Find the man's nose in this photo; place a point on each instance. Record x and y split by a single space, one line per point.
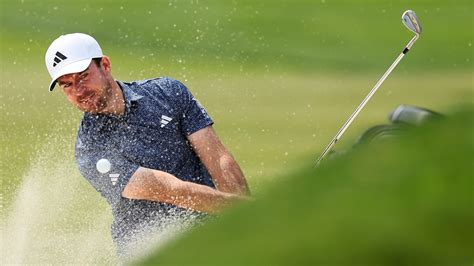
78 86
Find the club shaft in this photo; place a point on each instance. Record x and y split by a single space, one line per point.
366 99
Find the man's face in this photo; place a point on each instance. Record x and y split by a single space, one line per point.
87 90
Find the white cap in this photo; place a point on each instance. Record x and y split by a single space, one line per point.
70 53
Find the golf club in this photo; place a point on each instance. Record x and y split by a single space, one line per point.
410 20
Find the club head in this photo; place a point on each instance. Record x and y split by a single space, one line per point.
410 20
412 115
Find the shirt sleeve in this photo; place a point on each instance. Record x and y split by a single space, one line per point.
194 116
115 170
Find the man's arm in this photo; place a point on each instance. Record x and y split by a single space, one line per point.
155 185
225 171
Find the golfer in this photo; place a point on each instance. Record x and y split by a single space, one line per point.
148 147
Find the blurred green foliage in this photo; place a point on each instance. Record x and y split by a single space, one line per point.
404 202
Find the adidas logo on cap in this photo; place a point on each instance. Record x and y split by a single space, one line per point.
58 58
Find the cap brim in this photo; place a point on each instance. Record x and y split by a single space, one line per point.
75 67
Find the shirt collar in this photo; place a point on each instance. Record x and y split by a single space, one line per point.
128 94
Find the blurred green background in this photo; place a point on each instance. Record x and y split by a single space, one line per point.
278 77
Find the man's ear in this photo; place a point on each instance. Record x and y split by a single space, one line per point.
105 63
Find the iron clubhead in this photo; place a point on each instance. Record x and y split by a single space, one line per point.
412 115
410 20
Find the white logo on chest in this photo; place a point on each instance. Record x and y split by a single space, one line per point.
165 120
104 166
114 178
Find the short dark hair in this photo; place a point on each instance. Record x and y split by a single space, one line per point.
97 60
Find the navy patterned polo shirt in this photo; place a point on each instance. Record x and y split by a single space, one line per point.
159 115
